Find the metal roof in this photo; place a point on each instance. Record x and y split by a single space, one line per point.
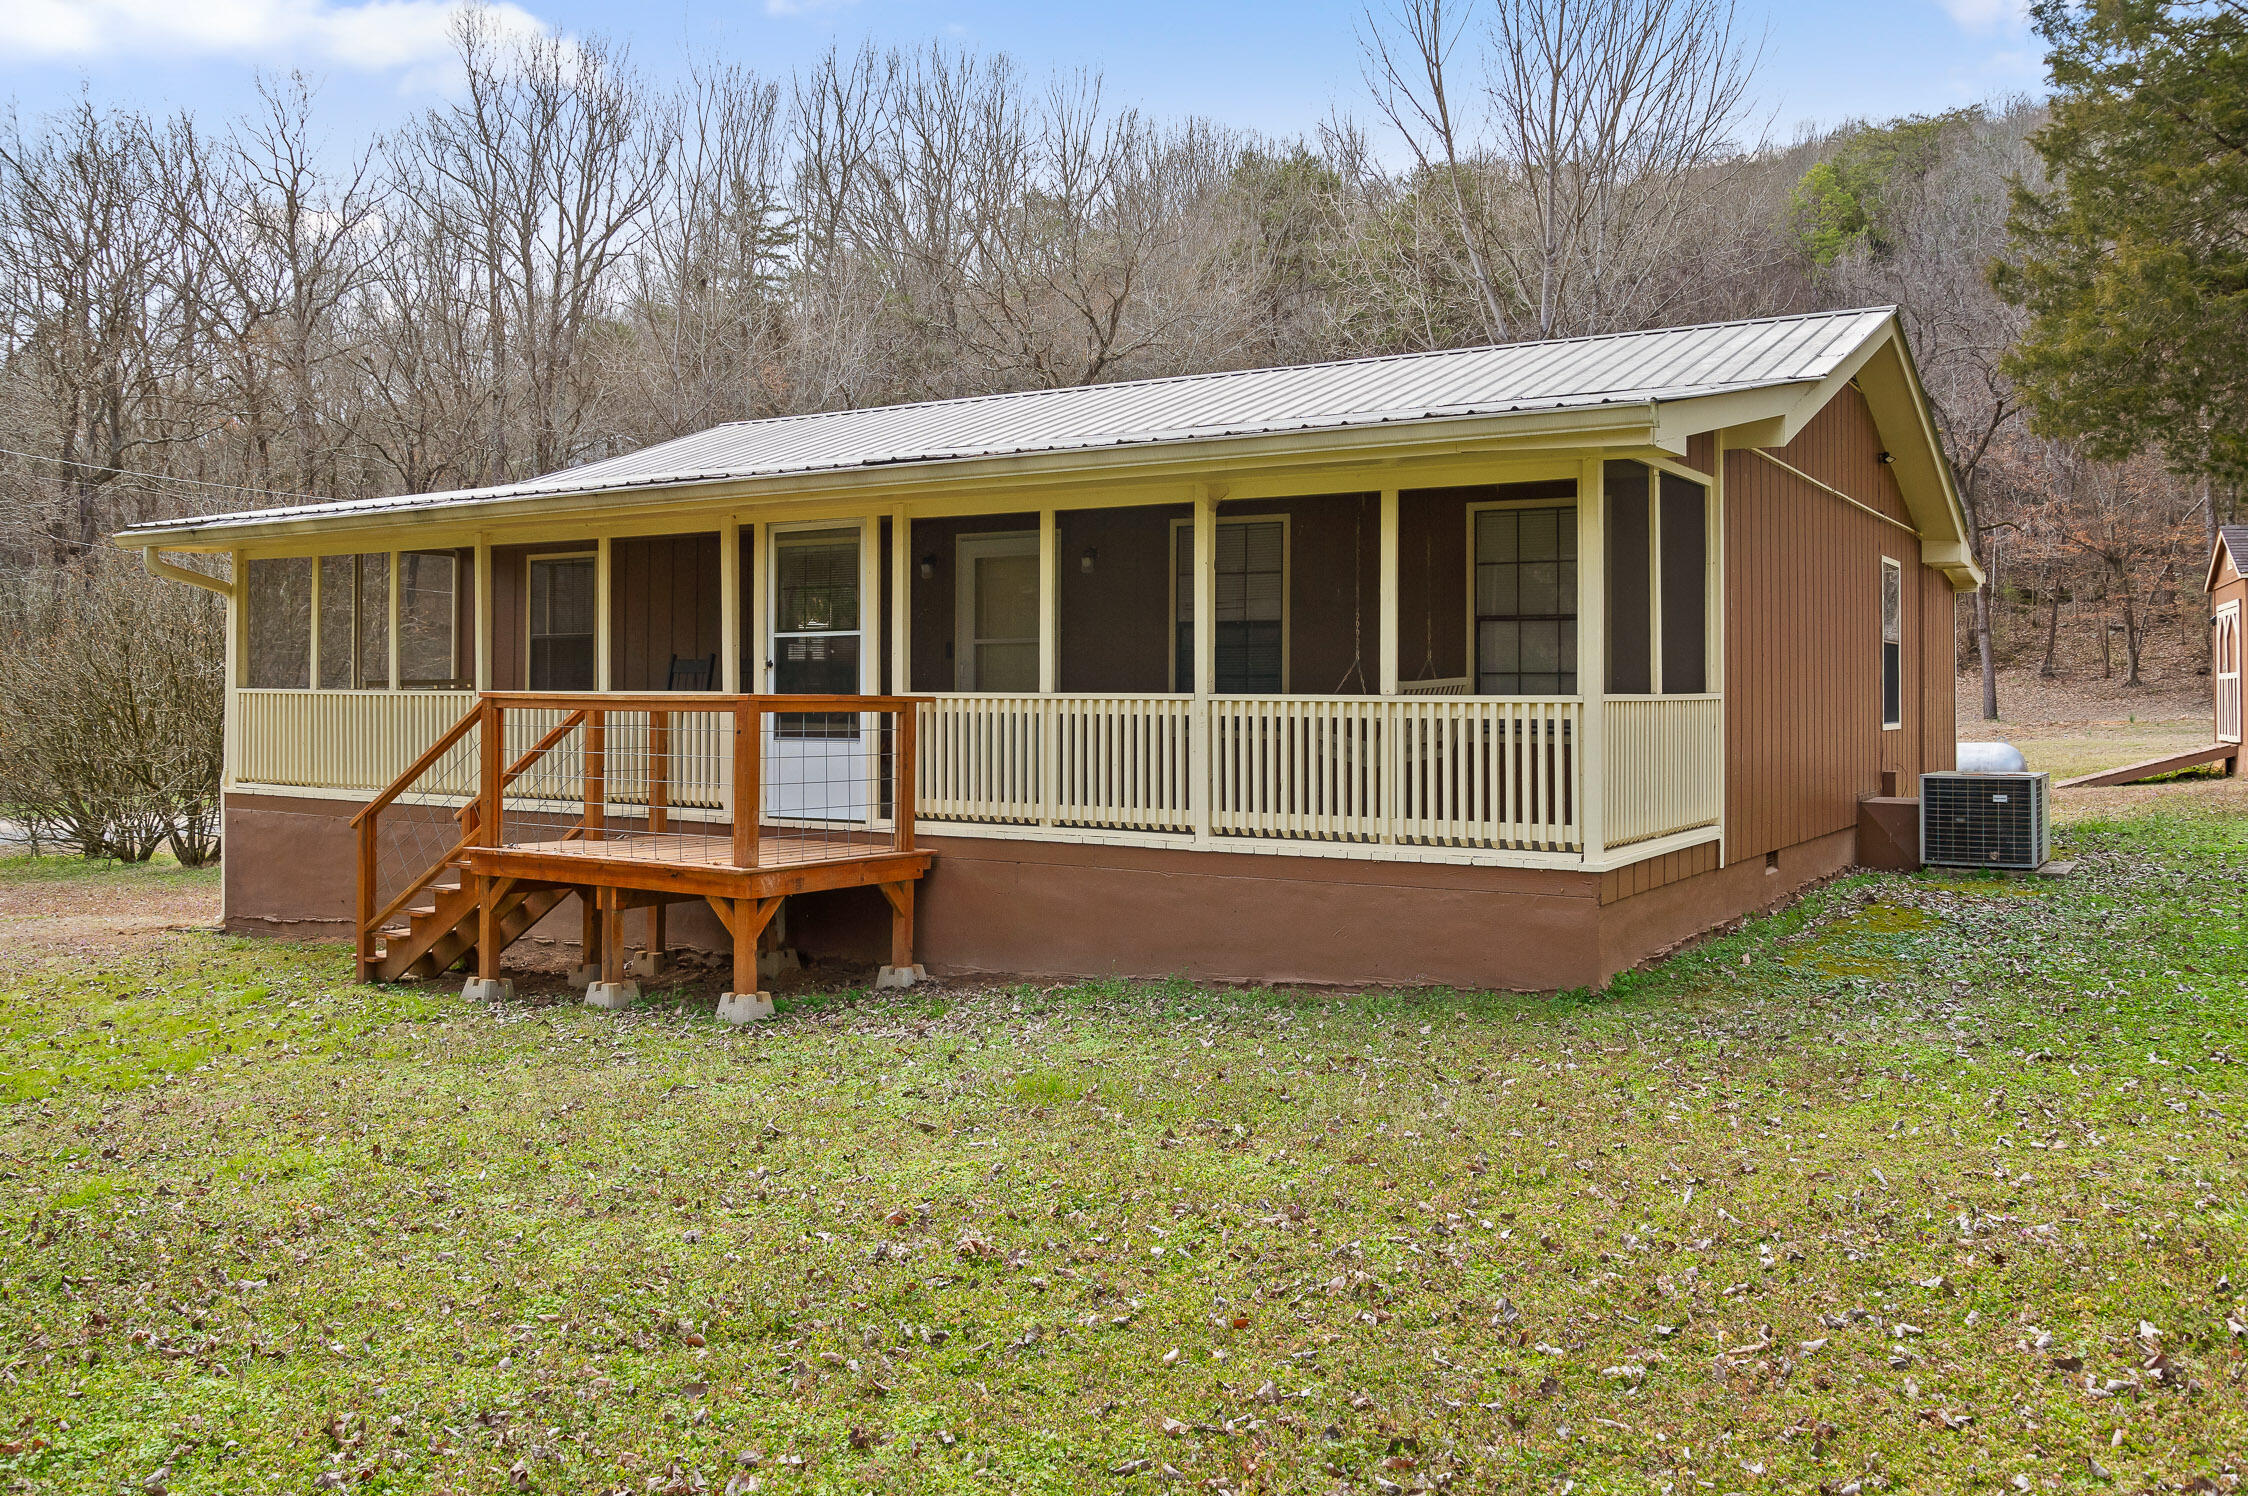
1666 364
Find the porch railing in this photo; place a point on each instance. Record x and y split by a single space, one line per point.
1665 766
1439 771
1464 772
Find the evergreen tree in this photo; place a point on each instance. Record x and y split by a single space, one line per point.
2134 263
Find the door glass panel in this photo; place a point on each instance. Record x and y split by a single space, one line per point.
1004 615
816 585
816 640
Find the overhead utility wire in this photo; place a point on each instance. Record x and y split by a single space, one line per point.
270 493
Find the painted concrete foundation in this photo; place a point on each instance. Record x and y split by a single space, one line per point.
1063 909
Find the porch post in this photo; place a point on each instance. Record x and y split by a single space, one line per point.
1049 596
870 605
1201 763
485 613
1592 654
901 602
602 643
314 682
754 678
1387 583
397 594
730 605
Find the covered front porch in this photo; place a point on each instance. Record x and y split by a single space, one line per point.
1496 661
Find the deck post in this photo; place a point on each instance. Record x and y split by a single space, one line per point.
612 991
365 922
749 792
596 774
492 767
1387 589
746 919
901 972
906 787
650 964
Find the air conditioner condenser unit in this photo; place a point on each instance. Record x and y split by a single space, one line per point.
1986 820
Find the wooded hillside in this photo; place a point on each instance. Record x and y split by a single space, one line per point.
567 260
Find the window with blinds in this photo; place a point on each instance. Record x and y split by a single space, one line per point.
1526 601
563 599
1892 643
1252 587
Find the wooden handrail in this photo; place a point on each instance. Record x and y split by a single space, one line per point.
420 766
538 750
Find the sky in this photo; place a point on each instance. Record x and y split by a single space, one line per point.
1275 66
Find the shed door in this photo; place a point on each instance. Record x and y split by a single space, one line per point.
2225 666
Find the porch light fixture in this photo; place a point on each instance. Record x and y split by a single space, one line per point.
928 566
1085 562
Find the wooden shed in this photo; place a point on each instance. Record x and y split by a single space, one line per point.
1498 667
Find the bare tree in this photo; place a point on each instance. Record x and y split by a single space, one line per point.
544 175
1578 157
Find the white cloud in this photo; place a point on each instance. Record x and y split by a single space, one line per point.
804 7
1986 16
376 36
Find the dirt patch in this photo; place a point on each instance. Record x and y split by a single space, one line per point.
2030 706
100 912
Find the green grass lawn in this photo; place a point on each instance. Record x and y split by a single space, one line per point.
1927 1184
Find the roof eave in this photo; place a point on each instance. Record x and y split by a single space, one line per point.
1633 423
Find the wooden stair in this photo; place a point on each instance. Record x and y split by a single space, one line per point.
2155 768
440 933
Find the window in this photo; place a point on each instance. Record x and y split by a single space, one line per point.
1252 587
1526 601
355 622
1892 643
428 583
279 627
563 599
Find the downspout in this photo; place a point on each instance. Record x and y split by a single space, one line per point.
158 567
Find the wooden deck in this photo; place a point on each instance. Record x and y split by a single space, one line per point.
651 872
625 757
2155 768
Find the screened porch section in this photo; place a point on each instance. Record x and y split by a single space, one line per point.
1519 671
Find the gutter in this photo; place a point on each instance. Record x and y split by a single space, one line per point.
156 566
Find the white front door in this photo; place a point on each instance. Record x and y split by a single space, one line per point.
816 764
995 640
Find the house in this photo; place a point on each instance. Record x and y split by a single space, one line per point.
2228 590
2227 586
1522 664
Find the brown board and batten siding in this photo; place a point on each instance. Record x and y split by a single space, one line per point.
663 604
1804 739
